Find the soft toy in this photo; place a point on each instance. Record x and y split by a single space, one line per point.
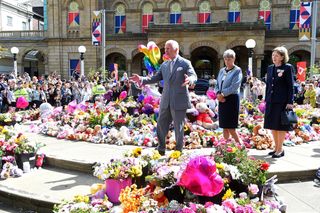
10 170
195 141
171 140
158 195
261 138
204 118
124 135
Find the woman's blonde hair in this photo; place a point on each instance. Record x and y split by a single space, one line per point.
283 52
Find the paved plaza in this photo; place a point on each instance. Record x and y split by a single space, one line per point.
68 172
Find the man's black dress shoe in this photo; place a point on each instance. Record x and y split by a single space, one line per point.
275 155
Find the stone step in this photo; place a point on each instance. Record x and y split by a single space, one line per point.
40 189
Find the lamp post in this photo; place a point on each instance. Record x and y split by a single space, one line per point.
82 50
250 44
15 51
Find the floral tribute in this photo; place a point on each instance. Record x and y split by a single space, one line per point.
228 180
12 146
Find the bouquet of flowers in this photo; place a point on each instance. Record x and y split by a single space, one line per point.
124 168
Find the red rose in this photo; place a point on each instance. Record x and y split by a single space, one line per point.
265 166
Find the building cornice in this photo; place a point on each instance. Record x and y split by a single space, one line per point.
221 26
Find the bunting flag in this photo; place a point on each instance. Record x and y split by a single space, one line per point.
294 19
74 68
301 70
266 16
96 28
305 21
204 18
146 19
113 69
175 18
73 19
120 21
234 17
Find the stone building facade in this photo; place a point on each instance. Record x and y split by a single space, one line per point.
203 28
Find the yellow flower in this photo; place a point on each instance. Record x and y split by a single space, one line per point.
219 166
4 131
136 171
144 122
225 180
228 194
81 198
175 154
137 152
156 155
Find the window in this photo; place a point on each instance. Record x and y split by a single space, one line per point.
265 12
294 14
41 27
234 11
120 19
9 21
73 15
24 25
204 15
147 16
175 13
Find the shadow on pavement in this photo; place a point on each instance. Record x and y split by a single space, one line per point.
316 155
267 158
78 179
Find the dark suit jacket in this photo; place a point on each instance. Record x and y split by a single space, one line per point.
280 82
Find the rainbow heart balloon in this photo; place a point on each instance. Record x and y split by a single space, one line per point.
152 56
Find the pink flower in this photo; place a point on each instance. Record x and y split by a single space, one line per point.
229 149
253 189
230 204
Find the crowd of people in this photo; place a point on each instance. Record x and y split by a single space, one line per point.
278 89
57 91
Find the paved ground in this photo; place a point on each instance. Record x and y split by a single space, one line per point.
53 184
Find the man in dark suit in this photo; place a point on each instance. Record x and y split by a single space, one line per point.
177 74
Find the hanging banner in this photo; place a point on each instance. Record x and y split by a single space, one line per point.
96 28
45 15
301 70
305 21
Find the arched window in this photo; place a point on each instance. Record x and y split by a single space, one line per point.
204 15
147 15
234 11
175 13
265 12
294 14
120 19
73 14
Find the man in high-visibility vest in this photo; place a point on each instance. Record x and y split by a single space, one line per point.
98 89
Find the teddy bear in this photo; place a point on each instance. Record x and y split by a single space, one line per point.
124 135
261 138
171 140
194 141
10 170
204 117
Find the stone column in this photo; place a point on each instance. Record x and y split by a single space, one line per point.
257 65
221 62
129 63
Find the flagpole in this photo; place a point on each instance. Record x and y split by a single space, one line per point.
104 43
314 34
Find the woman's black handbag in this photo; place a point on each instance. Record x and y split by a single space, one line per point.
288 117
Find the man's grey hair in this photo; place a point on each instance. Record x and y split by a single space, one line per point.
229 54
174 44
